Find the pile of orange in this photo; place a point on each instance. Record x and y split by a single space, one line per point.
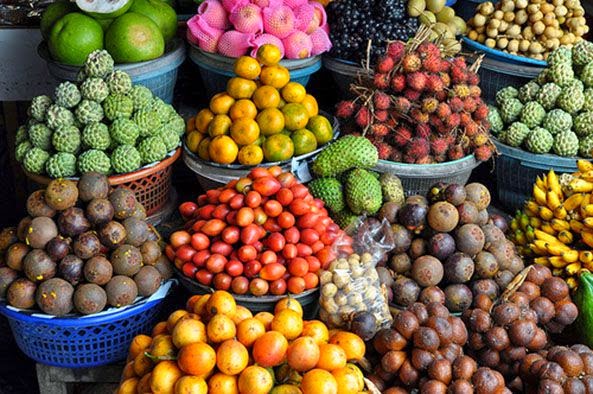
217 346
261 116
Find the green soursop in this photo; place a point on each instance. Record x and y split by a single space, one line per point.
40 136
495 120
345 153
533 114
67 95
94 160
118 82
152 149
96 136
587 75
561 55
516 134
21 135
557 120
66 139
58 116
566 143
94 89
118 106
511 110
61 165
506 93
363 192
147 121
548 95
539 140
571 100
586 146
392 189
98 64
583 123
329 190
582 53
88 112
169 138
561 73
124 131
345 218
34 160
38 107
588 103
21 150
528 92
141 96
125 158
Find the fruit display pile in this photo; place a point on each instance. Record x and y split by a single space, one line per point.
422 107
216 346
130 30
528 27
234 28
553 112
261 234
261 116
83 247
103 123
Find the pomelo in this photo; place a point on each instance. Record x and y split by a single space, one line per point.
161 13
134 38
73 37
52 13
104 9
105 23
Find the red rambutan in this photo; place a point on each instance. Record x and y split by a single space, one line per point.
432 63
443 111
391 122
434 84
475 91
363 117
473 78
441 96
425 160
381 100
483 153
461 90
480 139
455 152
396 155
402 105
396 50
446 78
385 64
429 105
459 61
379 130
411 63
384 150
434 120
409 159
398 82
428 48
469 104
439 146
402 136
417 80
423 130
458 75
412 95
440 158
456 104
471 128
481 112
464 118
345 109
445 66
450 138
453 121
418 147
381 81
419 116
381 115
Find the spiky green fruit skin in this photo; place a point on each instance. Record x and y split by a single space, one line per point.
345 153
587 75
344 218
94 160
176 124
576 84
169 138
21 135
118 82
329 190
561 55
118 106
542 77
588 103
94 89
98 64
533 114
161 109
392 189
586 146
516 134
583 123
88 112
528 92
363 192
566 143
141 96
96 136
571 100
539 140
147 120
66 139
21 150
61 165
40 136
561 73
495 120
152 149
67 95
125 158
557 120
548 95
582 53
58 116
34 160
506 93
38 107
124 131
511 110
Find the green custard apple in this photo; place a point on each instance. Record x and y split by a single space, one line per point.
99 63
152 149
557 120
21 150
58 116
94 89
67 95
539 140
125 158
88 112
34 160
566 143
118 106
94 160
40 136
96 136
39 106
141 96
61 165
124 131
118 82
66 139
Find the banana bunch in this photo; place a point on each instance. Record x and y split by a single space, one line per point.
555 226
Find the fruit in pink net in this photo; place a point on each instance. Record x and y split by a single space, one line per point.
230 5
234 43
200 32
247 19
298 45
263 39
321 41
213 13
279 21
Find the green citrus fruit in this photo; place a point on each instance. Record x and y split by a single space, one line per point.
73 37
304 141
160 13
104 9
322 128
278 147
134 38
52 13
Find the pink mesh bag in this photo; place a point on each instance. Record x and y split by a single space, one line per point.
231 5
234 43
262 39
294 3
298 45
268 3
247 19
321 42
279 21
304 16
203 34
214 14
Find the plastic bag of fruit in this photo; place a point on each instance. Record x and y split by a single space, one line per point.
352 296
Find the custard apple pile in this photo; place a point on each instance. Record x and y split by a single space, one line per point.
552 113
100 122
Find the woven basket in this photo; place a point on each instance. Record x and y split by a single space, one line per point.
151 185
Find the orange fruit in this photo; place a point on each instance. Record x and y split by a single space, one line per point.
266 97
352 344
243 109
223 149
247 67
269 350
249 330
231 357
289 323
286 389
295 116
276 76
220 125
188 331
311 105
242 313
203 149
193 140
255 380
190 125
142 365
191 385
331 357
293 92
240 88
159 328
128 371
162 346
349 379
221 302
200 305
164 376
304 141
128 386
174 318
316 330
144 384
220 328
266 318
244 131
221 103
268 55
139 344
318 381
321 128
289 303
197 359
220 383
303 354
203 118
250 155
270 121
278 147
282 103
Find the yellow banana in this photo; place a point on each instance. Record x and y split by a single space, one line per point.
529 234
557 262
571 256
557 272
541 182
520 237
587 175
573 268
547 228
535 222
589 210
559 225
574 201
523 221
515 224
543 236
565 237
560 212
554 184
585 256
545 213
587 238
540 195
540 251
588 265
553 201
543 260
586 201
578 185
531 206
584 165
576 226
588 222
557 249
572 283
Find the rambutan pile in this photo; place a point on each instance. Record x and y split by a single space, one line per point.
421 106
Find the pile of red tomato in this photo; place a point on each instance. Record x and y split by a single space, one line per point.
261 234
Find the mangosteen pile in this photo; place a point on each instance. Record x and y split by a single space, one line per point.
83 246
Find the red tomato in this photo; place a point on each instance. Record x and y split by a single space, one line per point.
231 235
205 212
222 281
296 285
188 210
275 242
250 234
332 227
237 201
309 236
292 235
204 277
299 190
319 227
202 200
308 220
328 238
317 246
240 285
258 246
252 268
286 220
200 258
272 226
222 248
197 226
298 266
245 216
260 216
212 195
252 199
221 211
289 251
258 172
231 184
179 238
200 241
170 252
272 208
231 218
246 253
213 227
304 250
242 184
189 270
275 170
216 263
286 179
278 287
272 271
284 196
314 264
311 280
266 186
258 287
234 268
325 256
318 203
185 253
268 257
299 207
226 195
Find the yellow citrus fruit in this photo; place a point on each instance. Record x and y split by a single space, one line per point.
250 155
221 103
244 131
240 88
203 149
247 67
319 381
223 149
304 141
293 92
349 379
322 128
278 147
270 121
268 55
191 385
311 104
190 125
260 141
295 116
276 76
193 140
243 109
203 119
220 125
266 97
282 103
